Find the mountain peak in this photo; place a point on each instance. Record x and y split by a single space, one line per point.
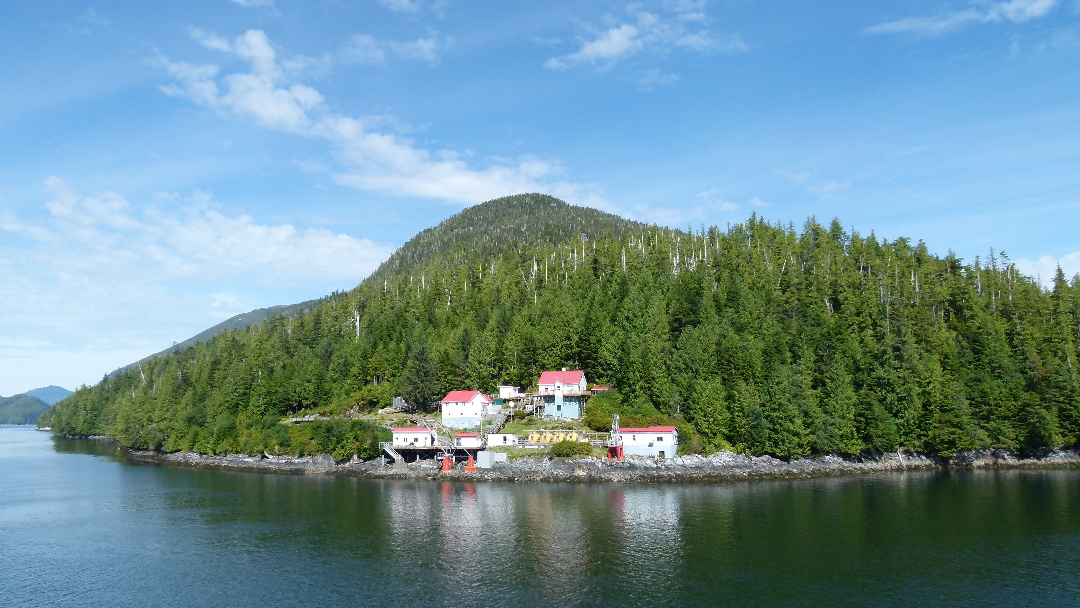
507 224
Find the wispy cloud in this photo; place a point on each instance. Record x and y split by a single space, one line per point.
92 17
654 79
413 7
1016 11
104 233
370 159
679 26
254 3
821 188
88 265
368 50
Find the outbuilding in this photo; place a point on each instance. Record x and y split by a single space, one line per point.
658 441
509 392
414 437
502 440
467 440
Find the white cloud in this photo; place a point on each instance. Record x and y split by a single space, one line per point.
402 6
414 6
1045 268
654 79
105 232
422 49
1017 11
822 189
93 18
368 50
104 281
649 31
370 159
363 49
254 3
829 189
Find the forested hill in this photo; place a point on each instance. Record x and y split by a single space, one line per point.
21 409
240 321
761 338
507 225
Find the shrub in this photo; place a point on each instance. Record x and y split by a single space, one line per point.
567 449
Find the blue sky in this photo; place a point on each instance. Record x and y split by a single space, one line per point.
164 166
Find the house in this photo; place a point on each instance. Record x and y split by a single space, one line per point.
506 440
563 393
467 440
465 409
658 441
414 437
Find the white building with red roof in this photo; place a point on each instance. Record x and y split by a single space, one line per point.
414 437
465 409
563 393
569 383
658 441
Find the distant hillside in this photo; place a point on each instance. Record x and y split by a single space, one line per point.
50 394
240 321
21 409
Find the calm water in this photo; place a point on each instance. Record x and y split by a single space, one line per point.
79 527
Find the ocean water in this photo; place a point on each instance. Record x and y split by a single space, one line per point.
81 527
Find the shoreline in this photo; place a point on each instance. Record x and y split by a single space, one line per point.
719 467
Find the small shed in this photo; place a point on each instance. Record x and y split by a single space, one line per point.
509 392
414 437
467 440
503 440
658 441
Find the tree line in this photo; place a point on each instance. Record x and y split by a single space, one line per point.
759 338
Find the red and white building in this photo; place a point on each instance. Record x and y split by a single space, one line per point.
414 437
465 409
658 441
566 383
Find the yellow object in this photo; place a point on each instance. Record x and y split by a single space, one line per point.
548 437
534 438
559 437
571 436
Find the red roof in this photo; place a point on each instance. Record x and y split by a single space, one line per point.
411 429
571 377
600 387
463 397
651 429
466 434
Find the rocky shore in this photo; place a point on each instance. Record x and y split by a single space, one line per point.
722 466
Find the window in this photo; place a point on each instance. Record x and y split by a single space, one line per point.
659 438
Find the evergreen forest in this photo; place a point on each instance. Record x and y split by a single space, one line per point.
761 338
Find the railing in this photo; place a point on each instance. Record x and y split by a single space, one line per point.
388 447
